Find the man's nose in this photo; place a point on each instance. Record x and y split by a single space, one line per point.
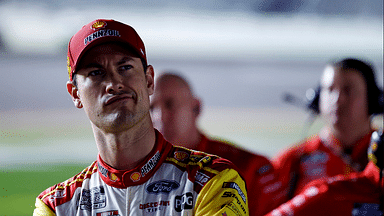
114 83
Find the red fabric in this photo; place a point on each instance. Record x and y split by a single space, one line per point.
194 162
66 189
264 190
143 171
339 195
317 158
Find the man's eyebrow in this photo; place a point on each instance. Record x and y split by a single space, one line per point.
91 65
124 60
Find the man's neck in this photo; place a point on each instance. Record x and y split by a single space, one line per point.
127 149
348 138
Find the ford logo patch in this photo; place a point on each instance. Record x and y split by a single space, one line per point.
163 186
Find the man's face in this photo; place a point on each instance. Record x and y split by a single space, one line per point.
112 87
343 99
174 110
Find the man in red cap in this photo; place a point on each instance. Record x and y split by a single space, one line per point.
137 171
175 112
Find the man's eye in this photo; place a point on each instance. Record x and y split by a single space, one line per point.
126 67
94 73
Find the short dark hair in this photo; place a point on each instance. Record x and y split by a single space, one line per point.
374 94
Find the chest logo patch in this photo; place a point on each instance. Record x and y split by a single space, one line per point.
181 156
94 198
108 213
184 202
314 165
135 176
163 186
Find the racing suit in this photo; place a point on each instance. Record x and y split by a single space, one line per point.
264 190
317 157
170 181
358 194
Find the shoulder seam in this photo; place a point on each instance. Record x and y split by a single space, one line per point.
173 160
79 178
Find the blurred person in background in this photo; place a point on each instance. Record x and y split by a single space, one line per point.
347 98
359 193
137 172
175 111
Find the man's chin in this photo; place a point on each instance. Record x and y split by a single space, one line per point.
119 120
341 125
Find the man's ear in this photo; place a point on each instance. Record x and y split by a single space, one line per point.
150 77
196 107
74 92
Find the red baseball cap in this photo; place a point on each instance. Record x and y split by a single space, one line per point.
98 32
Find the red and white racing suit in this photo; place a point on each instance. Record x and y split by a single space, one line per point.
320 156
171 181
264 190
358 194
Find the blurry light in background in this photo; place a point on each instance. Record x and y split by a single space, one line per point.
234 29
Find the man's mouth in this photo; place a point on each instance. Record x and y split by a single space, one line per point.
118 98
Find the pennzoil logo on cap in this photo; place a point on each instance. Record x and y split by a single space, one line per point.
101 33
98 24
